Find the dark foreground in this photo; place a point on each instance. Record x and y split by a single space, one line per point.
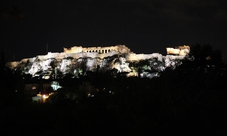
173 104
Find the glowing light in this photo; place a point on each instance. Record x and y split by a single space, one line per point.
40 98
90 95
34 87
44 96
55 85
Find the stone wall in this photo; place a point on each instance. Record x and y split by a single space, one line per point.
180 50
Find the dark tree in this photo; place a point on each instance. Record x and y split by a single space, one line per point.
205 56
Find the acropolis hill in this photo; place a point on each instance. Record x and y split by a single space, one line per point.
77 61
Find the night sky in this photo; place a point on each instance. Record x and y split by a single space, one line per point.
145 26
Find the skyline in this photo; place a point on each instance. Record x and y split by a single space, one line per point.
27 27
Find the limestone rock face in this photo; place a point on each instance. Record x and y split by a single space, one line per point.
35 68
122 66
77 61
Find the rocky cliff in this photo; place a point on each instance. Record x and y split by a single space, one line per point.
58 65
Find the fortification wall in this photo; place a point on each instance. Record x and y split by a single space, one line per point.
75 49
180 50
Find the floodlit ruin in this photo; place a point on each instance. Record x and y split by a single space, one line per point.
78 61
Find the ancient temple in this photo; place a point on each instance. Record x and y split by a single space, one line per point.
79 49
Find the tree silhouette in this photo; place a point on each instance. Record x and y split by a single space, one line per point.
206 56
5 80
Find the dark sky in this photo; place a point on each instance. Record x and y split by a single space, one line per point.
145 26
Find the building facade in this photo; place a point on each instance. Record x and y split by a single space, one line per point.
78 49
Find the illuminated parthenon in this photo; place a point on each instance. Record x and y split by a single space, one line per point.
117 48
180 50
76 61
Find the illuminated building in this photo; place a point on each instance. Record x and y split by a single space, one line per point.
79 49
77 61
